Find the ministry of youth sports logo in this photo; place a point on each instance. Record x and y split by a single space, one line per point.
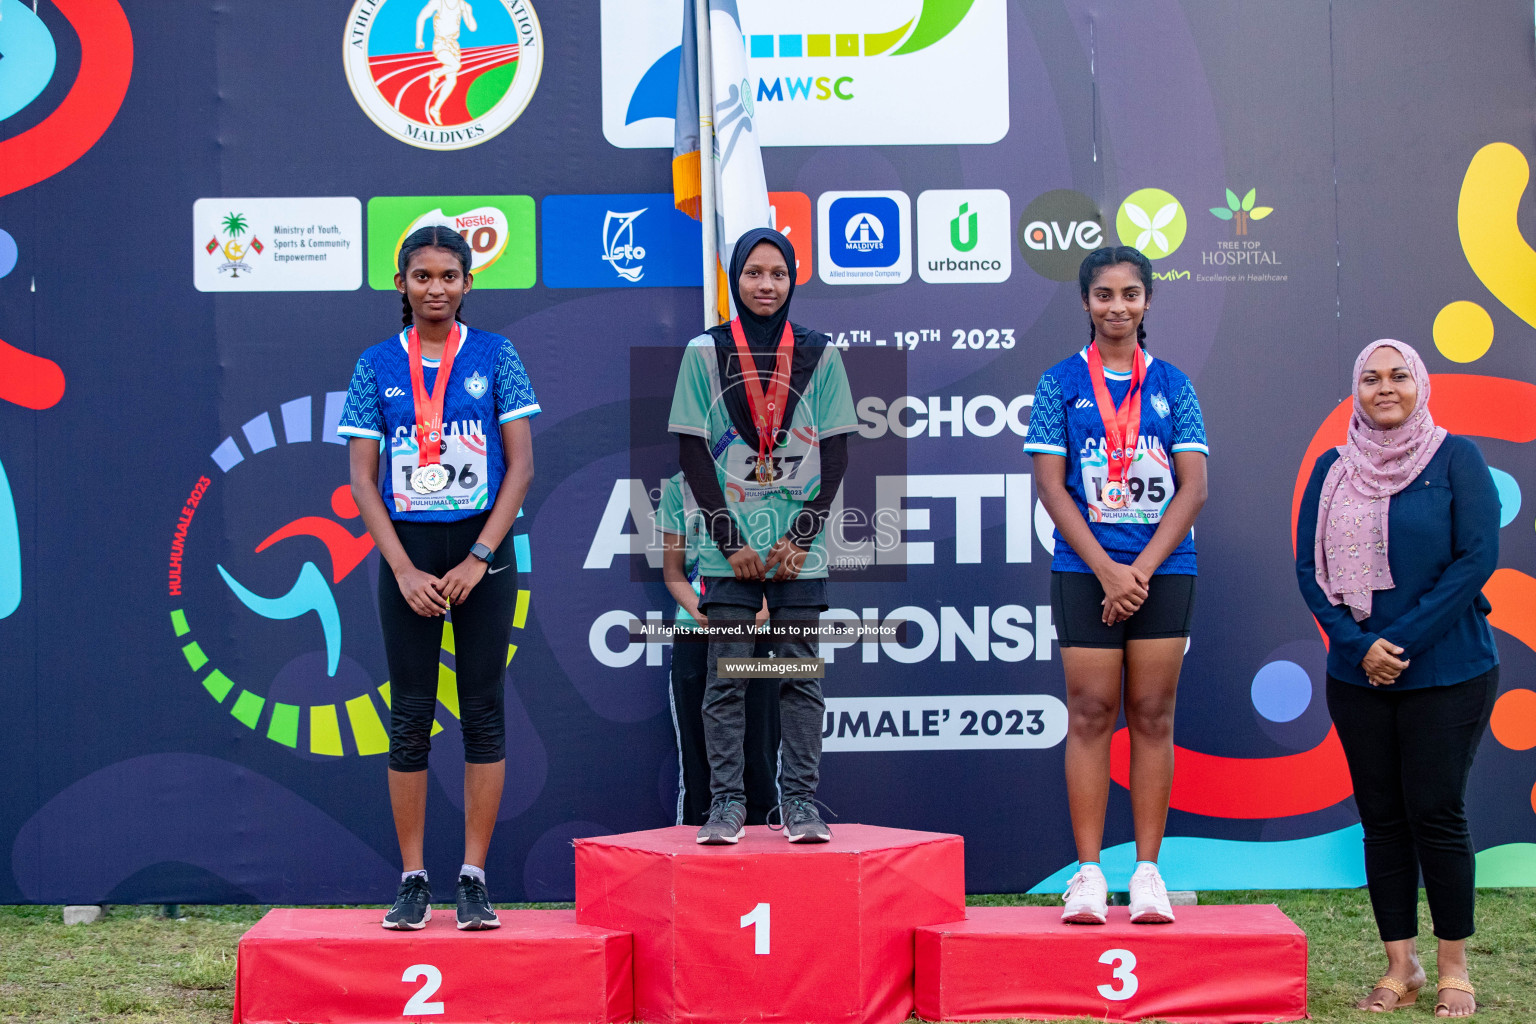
443 74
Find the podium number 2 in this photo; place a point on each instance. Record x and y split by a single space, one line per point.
1125 962
432 979
758 919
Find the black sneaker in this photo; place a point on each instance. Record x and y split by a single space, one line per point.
413 905
475 911
802 824
725 825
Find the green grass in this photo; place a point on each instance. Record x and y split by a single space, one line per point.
135 967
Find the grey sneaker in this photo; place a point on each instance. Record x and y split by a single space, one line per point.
413 905
725 824
802 824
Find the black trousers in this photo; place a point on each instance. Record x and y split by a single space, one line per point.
482 627
1409 754
761 748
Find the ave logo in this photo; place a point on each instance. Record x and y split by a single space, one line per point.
1057 230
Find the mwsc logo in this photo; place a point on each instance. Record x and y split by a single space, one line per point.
857 73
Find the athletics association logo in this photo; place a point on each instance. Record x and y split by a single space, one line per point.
443 74
274 610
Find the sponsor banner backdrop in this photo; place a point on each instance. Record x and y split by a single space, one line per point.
187 613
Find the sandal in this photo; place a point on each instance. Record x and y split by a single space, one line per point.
1459 985
1405 995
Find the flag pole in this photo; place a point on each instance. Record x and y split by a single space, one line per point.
707 161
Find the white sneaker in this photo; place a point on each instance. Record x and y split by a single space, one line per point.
1086 898
1149 897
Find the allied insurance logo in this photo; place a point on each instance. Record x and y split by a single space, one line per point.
271 589
443 74
866 237
853 73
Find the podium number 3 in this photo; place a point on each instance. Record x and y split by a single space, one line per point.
432 979
1125 962
758 919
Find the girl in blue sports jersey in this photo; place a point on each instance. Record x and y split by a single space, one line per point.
441 457
1119 454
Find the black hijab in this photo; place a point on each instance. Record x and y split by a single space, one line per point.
763 334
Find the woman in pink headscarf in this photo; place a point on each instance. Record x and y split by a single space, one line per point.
1397 534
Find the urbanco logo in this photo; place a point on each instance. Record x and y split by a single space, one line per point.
1057 229
273 607
499 230
866 237
443 74
963 236
1153 221
854 73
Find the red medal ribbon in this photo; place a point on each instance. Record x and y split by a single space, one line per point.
429 408
1122 426
767 409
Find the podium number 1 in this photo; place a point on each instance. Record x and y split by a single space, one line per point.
432 980
758 919
1125 962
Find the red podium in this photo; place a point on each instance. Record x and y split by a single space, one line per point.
1223 963
769 930
340 967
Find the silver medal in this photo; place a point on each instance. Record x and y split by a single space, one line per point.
428 479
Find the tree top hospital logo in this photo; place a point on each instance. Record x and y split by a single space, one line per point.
853 73
443 74
272 601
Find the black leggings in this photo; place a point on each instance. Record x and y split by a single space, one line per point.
482 627
1409 754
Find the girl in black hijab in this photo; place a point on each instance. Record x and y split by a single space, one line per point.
764 499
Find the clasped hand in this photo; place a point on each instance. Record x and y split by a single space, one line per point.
788 556
1380 664
1125 589
430 596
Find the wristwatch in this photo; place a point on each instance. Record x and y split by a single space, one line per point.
483 553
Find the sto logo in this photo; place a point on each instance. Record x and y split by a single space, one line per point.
1274 787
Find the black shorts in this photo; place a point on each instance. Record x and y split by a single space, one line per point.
1078 612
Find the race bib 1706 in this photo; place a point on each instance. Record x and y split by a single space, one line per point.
465 461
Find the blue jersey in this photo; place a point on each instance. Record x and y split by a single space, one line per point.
1064 420
488 387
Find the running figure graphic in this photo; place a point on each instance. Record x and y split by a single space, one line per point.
447 16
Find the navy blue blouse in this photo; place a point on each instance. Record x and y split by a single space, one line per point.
1442 545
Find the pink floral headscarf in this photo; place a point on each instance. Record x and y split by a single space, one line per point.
1351 539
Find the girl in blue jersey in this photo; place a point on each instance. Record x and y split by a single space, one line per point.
441 457
1119 455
